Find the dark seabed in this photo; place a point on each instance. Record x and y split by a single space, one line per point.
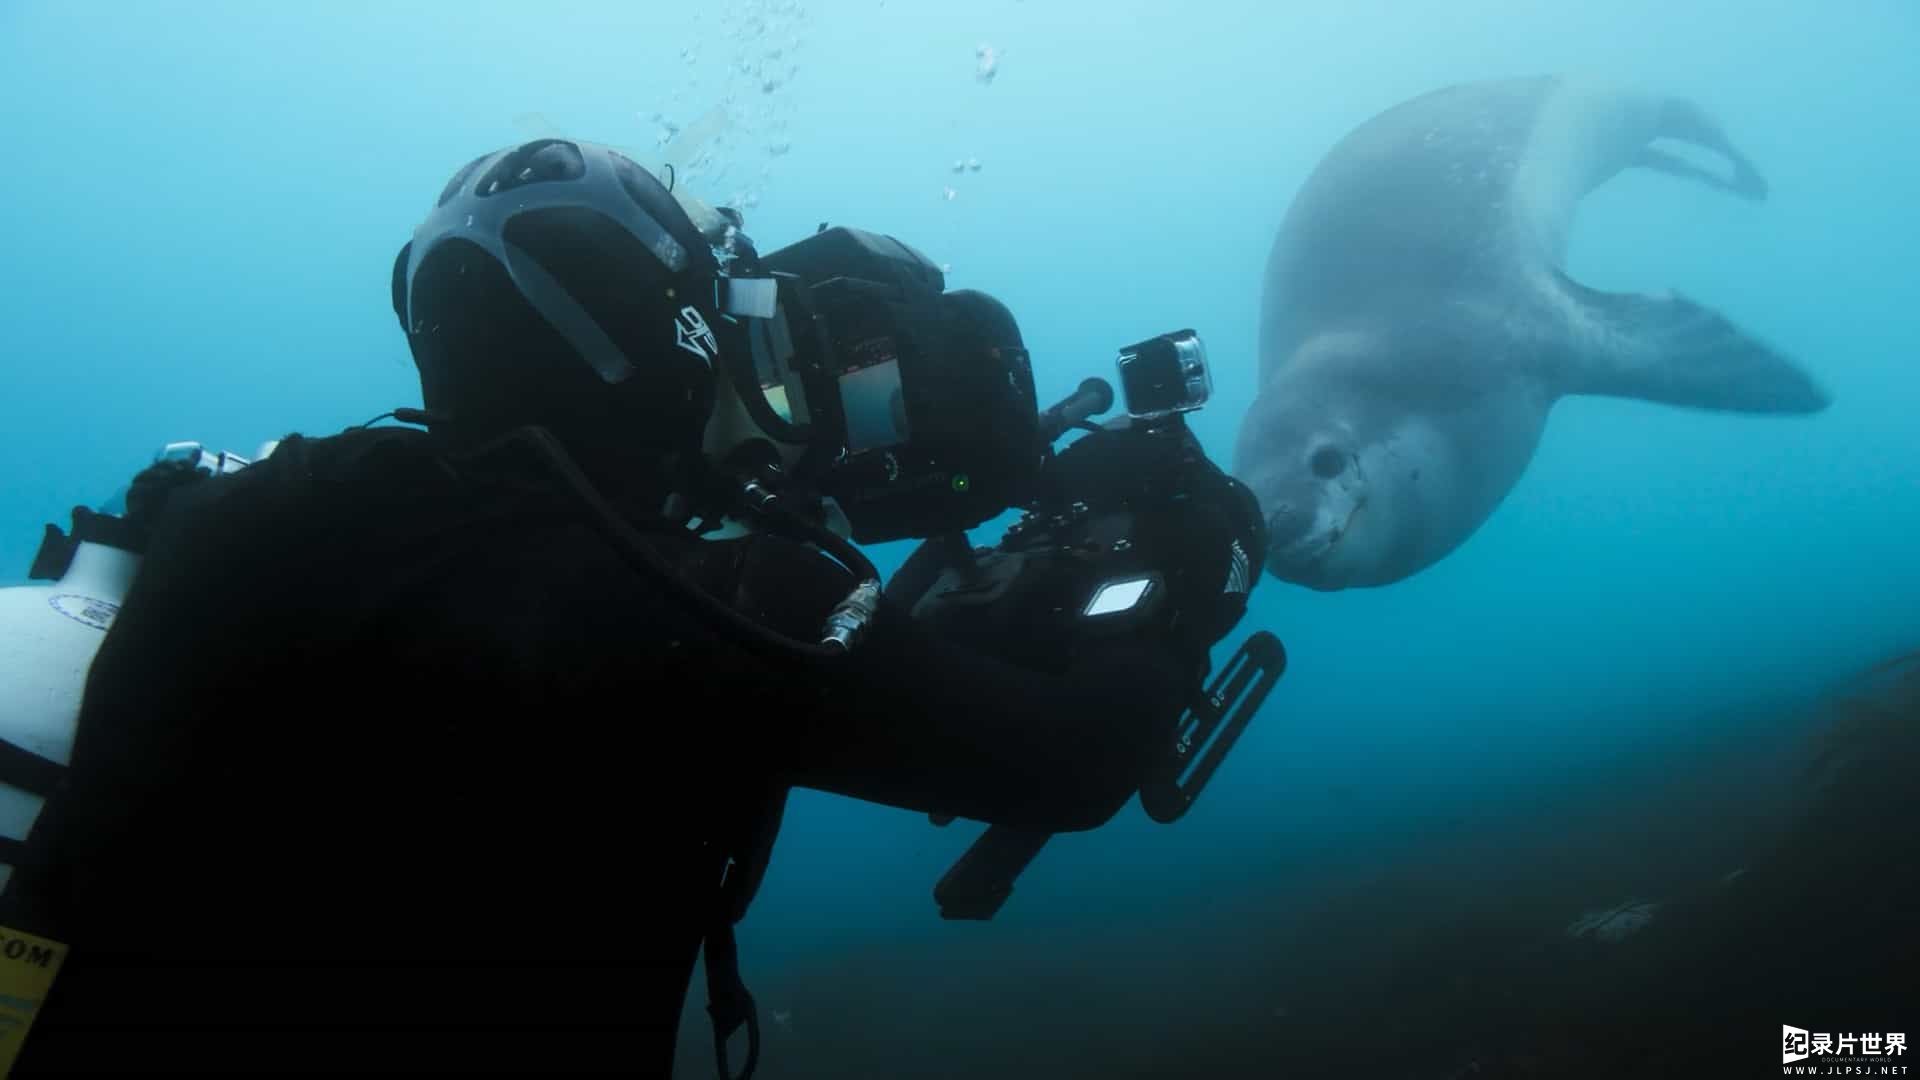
1781 859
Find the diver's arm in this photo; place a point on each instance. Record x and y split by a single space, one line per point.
918 721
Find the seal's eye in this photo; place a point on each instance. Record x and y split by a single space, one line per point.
1328 462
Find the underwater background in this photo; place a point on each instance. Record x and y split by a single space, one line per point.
1604 698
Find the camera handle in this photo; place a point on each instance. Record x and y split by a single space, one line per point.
980 881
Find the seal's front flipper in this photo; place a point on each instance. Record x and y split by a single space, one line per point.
1672 350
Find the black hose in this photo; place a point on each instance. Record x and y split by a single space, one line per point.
642 556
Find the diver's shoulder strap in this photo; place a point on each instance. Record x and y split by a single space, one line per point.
23 769
28 771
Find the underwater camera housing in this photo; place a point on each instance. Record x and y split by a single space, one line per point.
924 397
918 407
1095 555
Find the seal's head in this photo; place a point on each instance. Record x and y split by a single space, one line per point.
1337 466
1307 467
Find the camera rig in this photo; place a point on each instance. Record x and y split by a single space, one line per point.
1085 544
919 405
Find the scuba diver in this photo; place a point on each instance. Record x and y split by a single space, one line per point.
452 743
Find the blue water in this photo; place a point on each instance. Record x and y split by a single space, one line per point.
201 203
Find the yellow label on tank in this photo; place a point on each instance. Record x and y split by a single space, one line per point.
27 967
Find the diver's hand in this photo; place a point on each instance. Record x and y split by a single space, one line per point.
1221 552
1200 529
152 486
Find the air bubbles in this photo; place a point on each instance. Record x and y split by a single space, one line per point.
742 66
986 62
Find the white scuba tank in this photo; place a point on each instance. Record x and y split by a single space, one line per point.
49 634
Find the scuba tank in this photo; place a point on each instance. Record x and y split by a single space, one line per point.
49 634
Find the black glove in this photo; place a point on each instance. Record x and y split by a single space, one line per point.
1121 505
145 498
1198 527
152 486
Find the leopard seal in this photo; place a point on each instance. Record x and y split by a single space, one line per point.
1417 324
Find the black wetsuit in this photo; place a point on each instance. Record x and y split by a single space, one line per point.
394 763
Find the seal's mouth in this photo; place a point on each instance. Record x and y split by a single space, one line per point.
1309 560
1346 526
